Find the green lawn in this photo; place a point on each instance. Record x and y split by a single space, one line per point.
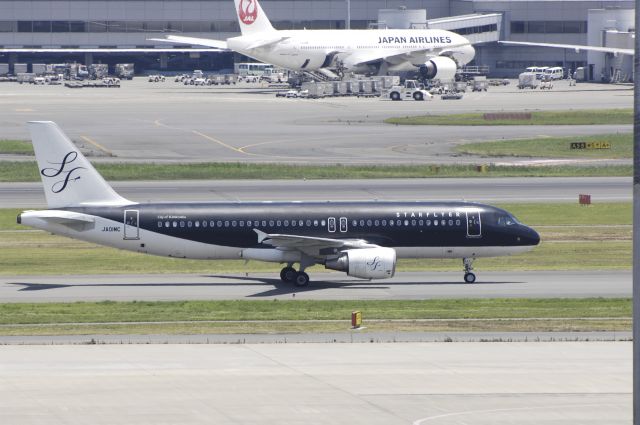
575 117
16 147
621 146
299 316
172 311
27 171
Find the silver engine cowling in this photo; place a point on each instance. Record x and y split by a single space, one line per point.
366 263
440 67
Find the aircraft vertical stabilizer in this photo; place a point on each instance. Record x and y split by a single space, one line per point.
252 18
68 178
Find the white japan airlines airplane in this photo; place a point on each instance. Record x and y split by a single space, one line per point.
363 239
435 52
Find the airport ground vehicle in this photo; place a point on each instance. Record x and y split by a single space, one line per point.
124 71
479 83
411 89
546 83
98 71
156 78
554 73
537 70
527 80
362 239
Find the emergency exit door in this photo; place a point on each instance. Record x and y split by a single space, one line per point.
474 226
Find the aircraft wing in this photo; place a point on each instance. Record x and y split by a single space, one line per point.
178 39
576 47
311 245
114 50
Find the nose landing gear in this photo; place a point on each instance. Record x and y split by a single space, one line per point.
469 276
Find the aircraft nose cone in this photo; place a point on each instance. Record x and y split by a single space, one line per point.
532 237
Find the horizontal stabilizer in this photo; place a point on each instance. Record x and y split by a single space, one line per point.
56 216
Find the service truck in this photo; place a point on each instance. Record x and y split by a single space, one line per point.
527 80
410 90
124 71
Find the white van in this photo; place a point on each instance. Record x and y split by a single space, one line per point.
538 70
555 73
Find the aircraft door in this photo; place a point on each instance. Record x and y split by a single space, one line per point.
474 226
343 224
331 224
131 224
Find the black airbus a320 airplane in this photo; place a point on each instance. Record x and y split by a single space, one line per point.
363 239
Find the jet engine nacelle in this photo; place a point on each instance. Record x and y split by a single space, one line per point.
440 67
366 263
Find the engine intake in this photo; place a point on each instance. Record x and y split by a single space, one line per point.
367 263
440 67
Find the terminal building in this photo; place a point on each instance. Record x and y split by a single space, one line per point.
108 24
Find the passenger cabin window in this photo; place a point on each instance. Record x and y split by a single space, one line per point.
331 226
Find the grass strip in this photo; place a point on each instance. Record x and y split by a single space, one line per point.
16 147
27 171
505 325
573 117
110 312
621 146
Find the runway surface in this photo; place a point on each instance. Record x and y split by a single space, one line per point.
173 123
324 286
517 189
406 384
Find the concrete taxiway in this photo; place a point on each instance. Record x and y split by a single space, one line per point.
516 189
325 286
411 383
171 122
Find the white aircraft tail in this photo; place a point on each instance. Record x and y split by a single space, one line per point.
69 178
252 18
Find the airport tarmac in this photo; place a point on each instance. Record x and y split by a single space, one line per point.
409 384
170 122
323 286
489 190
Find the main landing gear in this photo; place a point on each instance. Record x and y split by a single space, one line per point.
469 277
298 278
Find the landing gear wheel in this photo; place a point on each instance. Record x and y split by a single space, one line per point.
288 274
302 279
469 277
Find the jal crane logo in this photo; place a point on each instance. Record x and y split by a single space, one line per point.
248 11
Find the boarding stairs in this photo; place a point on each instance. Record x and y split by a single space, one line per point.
323 74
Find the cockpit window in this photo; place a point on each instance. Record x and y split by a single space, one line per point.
506 220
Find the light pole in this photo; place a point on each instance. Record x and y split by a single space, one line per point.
347 23
636 225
